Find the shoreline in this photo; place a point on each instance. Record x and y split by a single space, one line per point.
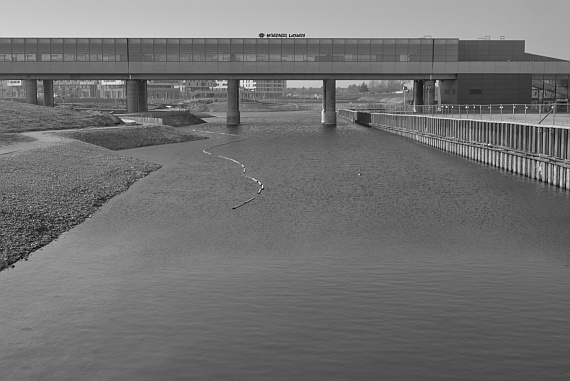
55 182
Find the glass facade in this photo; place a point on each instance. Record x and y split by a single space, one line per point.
227 50
491 50
549 88
63 50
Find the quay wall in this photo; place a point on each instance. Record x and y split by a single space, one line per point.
534 151
141 119
154 116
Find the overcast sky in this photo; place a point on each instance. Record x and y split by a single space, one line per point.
543 24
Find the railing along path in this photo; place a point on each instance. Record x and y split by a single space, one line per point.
535 151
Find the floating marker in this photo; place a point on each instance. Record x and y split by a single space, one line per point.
243 203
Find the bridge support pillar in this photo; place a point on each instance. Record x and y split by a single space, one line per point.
233 117
418 95
142 95
430 92
31 91
328 115
48 92
136 95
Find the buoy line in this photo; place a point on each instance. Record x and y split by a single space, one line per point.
243 203
261 187
212 132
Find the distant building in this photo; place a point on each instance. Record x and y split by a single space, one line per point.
265 89
259 89
11 89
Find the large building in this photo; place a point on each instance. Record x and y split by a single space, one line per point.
468 71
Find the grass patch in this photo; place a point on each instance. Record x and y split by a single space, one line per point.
21 117
132 137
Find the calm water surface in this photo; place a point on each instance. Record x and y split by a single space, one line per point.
425 266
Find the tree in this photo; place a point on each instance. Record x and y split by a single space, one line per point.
363 88
352 89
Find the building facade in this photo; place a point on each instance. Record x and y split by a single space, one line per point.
469 71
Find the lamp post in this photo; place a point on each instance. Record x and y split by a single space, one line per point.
405 90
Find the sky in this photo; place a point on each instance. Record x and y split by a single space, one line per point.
543 24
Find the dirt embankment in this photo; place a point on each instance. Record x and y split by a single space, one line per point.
47 188
21 117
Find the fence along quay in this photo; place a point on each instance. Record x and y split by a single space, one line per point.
539 152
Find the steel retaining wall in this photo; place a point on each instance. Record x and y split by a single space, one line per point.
538 152
152 117
141 119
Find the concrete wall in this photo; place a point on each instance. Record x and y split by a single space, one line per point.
541 153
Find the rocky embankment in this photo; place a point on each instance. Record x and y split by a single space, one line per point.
50 188
47 191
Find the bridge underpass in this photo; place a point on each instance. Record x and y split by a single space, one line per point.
137 97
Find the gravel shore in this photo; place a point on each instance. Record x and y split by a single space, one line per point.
49 185
48 190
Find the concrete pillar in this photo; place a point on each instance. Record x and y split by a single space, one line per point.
142 95
48 92
328 115
448 91
31 91
233 117
132 96
418 95
430 93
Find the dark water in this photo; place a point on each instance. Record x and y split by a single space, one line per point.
426 266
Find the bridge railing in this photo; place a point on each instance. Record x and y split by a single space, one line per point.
543 140
550 114
536 151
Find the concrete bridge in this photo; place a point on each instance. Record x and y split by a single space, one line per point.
468 71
